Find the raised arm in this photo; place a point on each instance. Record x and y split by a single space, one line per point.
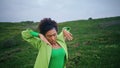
34 38
67 34
31 37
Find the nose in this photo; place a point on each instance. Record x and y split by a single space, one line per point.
53 38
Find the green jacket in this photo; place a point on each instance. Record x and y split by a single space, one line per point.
44 54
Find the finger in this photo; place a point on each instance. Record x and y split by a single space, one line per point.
69 37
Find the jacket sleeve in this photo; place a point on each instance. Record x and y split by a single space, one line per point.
32 37
61 35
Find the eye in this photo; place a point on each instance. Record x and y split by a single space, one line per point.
49 35
54 34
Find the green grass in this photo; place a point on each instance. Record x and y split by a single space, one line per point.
95 44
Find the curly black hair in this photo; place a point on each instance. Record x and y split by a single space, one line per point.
47 24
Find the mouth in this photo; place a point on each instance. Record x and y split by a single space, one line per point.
52 42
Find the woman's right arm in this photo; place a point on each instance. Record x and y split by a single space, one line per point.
32 37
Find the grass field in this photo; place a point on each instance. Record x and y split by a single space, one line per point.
96 44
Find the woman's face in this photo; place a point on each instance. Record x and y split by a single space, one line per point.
51 36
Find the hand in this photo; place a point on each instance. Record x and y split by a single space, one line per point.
44 39
67 35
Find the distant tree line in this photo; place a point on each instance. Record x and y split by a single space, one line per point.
29 22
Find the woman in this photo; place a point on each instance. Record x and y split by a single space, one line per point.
52 47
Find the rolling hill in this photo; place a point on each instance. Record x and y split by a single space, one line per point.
96 44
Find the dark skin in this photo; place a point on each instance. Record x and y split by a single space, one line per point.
51 36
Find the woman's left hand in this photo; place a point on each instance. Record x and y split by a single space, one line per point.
67 35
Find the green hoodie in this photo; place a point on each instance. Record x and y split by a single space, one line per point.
44 54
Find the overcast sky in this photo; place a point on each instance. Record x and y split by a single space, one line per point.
59 10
